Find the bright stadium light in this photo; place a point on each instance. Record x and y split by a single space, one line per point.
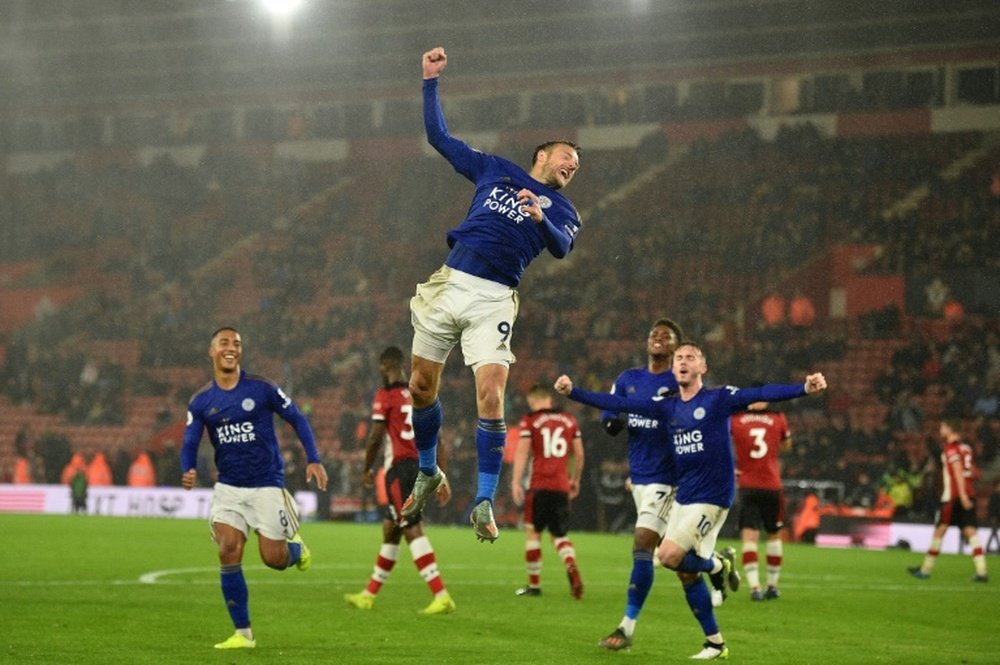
281 7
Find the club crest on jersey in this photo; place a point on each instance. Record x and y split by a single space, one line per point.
248 404
544 202
699 413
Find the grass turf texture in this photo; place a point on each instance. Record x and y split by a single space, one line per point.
72 590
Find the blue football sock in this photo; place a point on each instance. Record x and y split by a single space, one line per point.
426 425
640 583
236 594
294 554
700 601
692 563
491 436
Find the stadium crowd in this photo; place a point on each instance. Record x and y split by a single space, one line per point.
319 269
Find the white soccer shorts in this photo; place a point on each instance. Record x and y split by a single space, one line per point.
696 526
454 307
653 505
270 511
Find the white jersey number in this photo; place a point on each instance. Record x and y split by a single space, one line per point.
554 444
759 443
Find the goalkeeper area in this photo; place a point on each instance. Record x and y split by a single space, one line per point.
88 589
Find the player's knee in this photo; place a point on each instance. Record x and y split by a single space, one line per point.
670 561
491 407
491 382
489 399
278 560
230 551
422 391
670 557
645 539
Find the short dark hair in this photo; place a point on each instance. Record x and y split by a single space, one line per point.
669 323
547 146
954 424
218 330
393 355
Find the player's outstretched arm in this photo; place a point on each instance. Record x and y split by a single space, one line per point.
815 383
434 62
564 385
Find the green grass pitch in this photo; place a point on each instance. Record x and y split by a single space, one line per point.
86 589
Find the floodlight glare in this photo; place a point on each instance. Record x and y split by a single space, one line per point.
281 7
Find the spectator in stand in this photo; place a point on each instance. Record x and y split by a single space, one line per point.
953 310
801 311
986 401
772 310
99 471
141 473
958 502
75 462
166 463
906 414
937 293
863 492
22 470
120 465
900 486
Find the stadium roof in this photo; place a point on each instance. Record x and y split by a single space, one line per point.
112 51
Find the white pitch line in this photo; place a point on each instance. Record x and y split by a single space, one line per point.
804 582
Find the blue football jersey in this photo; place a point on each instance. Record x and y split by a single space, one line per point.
502 239
240 424
649 456
698 433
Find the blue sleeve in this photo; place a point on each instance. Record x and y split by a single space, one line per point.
192 437
290 413
465 160
651 408
772 392
615 388
557 241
